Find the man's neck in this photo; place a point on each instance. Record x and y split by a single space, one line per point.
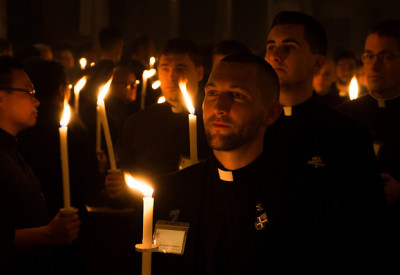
240 157
387 95
9 129
295 95
108 56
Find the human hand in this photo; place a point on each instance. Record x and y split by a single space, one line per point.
391 187
115 184
63 228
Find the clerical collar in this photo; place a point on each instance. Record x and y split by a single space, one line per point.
249 171
287 110
383 102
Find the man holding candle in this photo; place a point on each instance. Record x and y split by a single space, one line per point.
325 148
154 140
32 232
379 111
246 215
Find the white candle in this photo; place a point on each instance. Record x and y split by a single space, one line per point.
148 205
192 124
102 117
98 129
193 138
63 130
77 89
146 75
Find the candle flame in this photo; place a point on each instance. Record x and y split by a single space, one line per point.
104 90
92 64
80 84
152 61
156 84
353 94
138 185
161 99
83 63
189 104
149 73
66 114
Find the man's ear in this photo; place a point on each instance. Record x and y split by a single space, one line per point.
273 113
200 72
319 62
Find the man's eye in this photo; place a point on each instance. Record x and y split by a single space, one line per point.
270 48
211 93
238 95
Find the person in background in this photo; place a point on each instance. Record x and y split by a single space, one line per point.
228 47
33 235
379 111
324 85
6 47
321 146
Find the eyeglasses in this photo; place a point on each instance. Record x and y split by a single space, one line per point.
386 57
31 92
129 85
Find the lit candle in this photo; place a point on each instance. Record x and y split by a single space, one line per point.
83 63
77 89
64 154
148 204
353 91
192 124
102 121
146 75
152 62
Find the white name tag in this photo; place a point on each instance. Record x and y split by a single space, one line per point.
171 236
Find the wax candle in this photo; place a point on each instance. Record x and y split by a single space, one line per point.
102 117
63 130
192 124
148 205
77 89
145 76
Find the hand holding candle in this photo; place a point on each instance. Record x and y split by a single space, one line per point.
192 124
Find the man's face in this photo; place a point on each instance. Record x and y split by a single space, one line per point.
289 54
232 109
383 75
324 78
19 108
66 59
174 68
345 70
124 86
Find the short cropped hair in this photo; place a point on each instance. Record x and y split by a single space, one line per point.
268 80
344 54
314 33
139 41
46 76
183 46
390 28
228 47
60 48
108 37
7 64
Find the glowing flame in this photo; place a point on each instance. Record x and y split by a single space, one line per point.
80 84
92 64
189 104
152 61
161 99
156 84
149 73
104 90
83 63
353 94
138 185
66 114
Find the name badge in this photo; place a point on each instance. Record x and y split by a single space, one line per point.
171 236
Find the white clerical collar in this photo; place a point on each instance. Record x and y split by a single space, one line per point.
225 175
287 110
381 103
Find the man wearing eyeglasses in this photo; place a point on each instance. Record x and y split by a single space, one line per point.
25 228
380 112
122 99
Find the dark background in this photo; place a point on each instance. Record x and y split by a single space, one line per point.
204 21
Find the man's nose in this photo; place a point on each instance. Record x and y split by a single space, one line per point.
224 103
